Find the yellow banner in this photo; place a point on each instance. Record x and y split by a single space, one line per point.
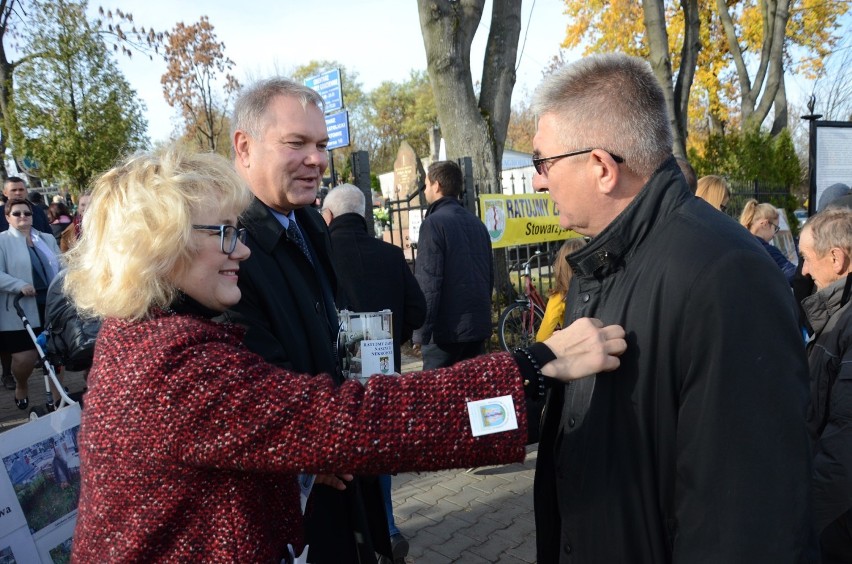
521 219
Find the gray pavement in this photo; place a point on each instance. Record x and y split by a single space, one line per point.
11 416
468 516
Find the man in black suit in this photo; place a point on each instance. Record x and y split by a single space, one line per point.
373 275
288 286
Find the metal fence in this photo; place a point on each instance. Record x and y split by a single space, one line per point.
745 190
401 231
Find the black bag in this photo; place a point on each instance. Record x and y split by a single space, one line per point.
72 338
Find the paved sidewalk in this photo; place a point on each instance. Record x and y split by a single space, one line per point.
483 515
11 416
479 515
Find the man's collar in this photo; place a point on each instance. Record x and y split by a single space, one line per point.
607 251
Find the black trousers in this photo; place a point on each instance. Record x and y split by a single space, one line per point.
447 354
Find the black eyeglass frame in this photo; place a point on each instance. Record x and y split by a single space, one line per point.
21 213
238 234
538 162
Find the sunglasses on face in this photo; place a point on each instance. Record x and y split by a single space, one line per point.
21 214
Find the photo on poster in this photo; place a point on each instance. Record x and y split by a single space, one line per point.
61 553
19 547
6 555
46 478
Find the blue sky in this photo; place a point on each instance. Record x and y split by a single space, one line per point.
380 39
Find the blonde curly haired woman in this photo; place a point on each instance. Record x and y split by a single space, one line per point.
190 445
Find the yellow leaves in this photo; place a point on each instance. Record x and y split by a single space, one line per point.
616 25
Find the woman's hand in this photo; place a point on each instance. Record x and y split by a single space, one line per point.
28 290
336 481
584 348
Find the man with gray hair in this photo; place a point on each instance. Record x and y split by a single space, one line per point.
288 286
826 248
373 275
695 449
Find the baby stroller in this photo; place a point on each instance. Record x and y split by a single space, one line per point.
71 338
49 373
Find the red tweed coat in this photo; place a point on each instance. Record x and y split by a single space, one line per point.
190 444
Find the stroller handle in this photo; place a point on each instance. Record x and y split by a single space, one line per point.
17 304
49 372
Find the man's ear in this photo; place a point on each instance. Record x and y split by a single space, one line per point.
840 261
605 171
242 147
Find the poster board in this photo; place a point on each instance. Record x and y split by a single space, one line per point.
40 488
365 344
830 159
521 219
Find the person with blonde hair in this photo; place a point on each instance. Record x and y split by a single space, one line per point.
190 444
554 313
714 190
762 221
826 248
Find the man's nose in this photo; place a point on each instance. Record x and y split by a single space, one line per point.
539 182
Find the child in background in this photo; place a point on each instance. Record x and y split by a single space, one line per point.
554 314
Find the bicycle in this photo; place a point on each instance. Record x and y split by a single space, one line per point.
519 322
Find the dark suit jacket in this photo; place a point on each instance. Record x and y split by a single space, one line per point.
373 275
282 305
291 322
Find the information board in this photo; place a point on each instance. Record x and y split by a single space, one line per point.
338 130
328 86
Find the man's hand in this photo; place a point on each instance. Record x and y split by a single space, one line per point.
336 481
584 348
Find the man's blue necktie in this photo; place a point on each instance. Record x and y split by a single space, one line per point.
295 235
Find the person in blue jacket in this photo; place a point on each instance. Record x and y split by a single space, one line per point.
762 221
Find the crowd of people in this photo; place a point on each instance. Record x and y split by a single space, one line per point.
33 236
680 415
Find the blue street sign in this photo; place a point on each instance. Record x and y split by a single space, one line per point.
328 85
338 130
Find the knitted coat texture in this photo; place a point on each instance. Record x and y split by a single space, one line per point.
190 444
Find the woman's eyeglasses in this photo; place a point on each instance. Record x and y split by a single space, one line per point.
21 214
775 227
228 236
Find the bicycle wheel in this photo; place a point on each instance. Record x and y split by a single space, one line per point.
518 325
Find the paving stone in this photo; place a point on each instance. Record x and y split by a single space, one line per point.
484 529
468 557
455 545
447 527
505 509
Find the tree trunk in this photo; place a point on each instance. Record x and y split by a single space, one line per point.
471 127
658 47
677 97
758 96
779 122
688 62
6 70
